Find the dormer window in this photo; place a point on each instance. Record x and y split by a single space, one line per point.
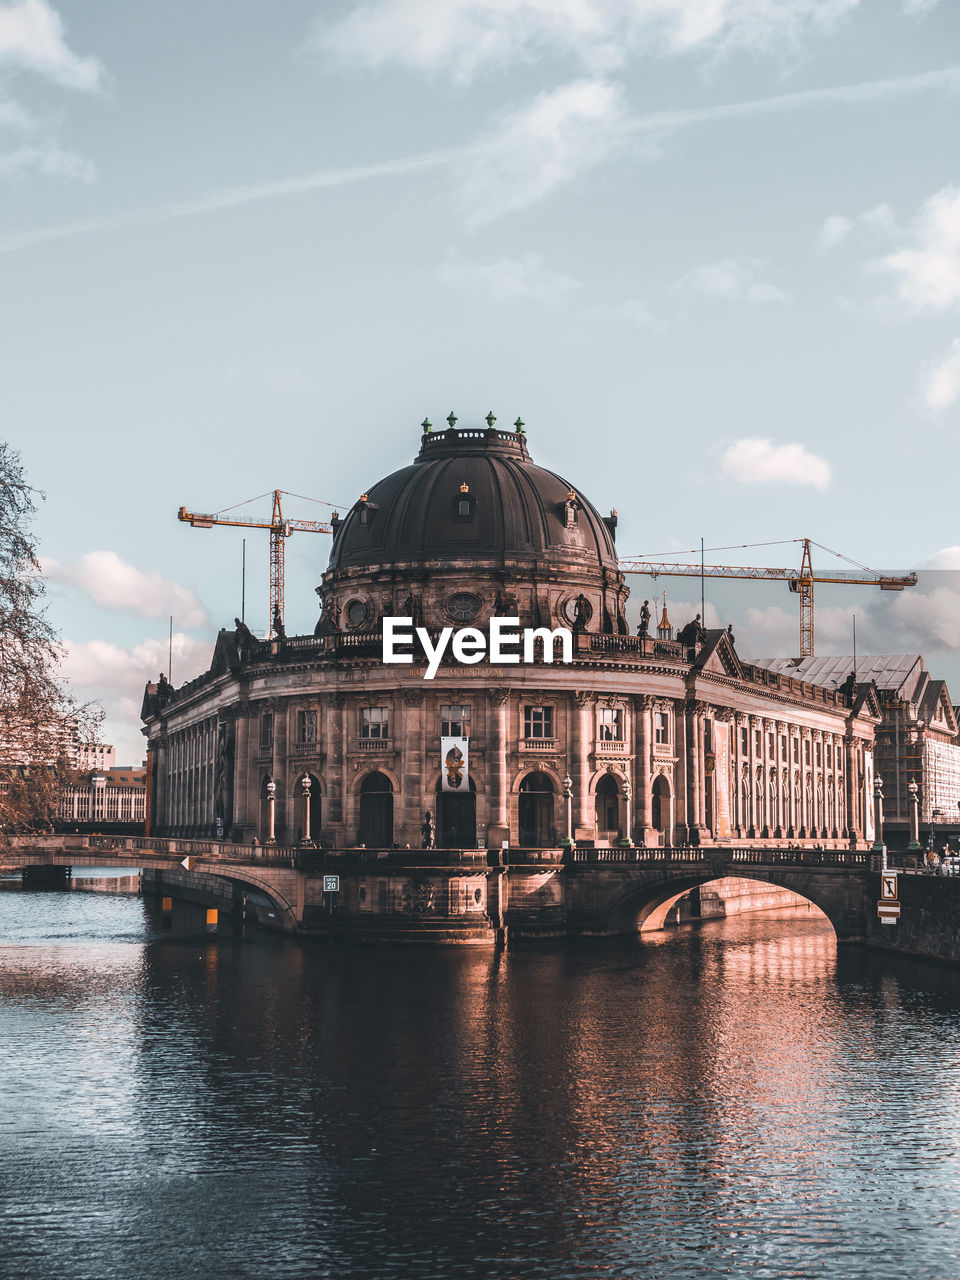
465 503
571 510
366 511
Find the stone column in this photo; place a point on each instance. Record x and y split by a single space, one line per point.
498 820
584 818
415 779
752 766
644 769
854 827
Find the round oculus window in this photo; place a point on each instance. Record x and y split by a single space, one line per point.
356 613
464 606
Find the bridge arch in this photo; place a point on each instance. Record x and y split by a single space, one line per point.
643 903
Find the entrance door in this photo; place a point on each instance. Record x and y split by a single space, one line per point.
457 819
660 809
375 828
536 811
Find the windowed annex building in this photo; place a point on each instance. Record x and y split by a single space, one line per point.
663 741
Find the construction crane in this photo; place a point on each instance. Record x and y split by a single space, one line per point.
798 580
280 529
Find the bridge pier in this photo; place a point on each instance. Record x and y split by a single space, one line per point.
46 877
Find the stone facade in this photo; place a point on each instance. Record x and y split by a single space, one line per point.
663 741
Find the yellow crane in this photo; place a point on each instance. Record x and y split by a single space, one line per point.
798 580
280 529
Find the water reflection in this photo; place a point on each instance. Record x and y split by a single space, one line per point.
737 1098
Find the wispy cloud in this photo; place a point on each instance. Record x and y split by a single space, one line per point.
526 278
941 383
551 142
465 37
926 269
32 38
112 583
47 159
473 165
736 280
763 462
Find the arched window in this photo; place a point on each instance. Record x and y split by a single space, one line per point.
607 806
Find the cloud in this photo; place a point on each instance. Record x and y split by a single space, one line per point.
115 677
941 383
945 558
48 159
526 278
113 584
464 37
32 39
739 280
555 139
926 270
763 462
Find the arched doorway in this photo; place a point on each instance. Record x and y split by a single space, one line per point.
457 818
661 808
300 807
375 828
608 808
536 811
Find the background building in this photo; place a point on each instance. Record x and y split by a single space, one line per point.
105 800
917 739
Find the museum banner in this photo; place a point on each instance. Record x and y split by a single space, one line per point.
454 764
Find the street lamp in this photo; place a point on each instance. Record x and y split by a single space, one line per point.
878 845
568 798
912 788
306 782
271 803
628 814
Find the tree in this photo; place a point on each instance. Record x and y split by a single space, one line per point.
40 723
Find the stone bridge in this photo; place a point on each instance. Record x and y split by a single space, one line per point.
467 896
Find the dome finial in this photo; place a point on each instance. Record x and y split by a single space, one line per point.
452 419
427 426
490 419
518 426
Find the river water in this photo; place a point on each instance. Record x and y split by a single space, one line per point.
732 1099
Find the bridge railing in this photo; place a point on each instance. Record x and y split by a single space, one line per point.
712 854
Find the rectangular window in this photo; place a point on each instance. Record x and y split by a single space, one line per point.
829 756
661 728
306 726
374 722
757 741
538 722
611 724
454 721
772 743
819 759
745 741
806 751
266 731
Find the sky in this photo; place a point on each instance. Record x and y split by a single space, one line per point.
708 250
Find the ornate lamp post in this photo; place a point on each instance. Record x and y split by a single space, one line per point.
914 815
568 801
306 782
627 840
271 806
878 845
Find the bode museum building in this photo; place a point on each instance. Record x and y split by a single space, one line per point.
647 738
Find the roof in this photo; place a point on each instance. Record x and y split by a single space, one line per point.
897 672
476 495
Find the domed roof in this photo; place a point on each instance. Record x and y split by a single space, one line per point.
473 494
